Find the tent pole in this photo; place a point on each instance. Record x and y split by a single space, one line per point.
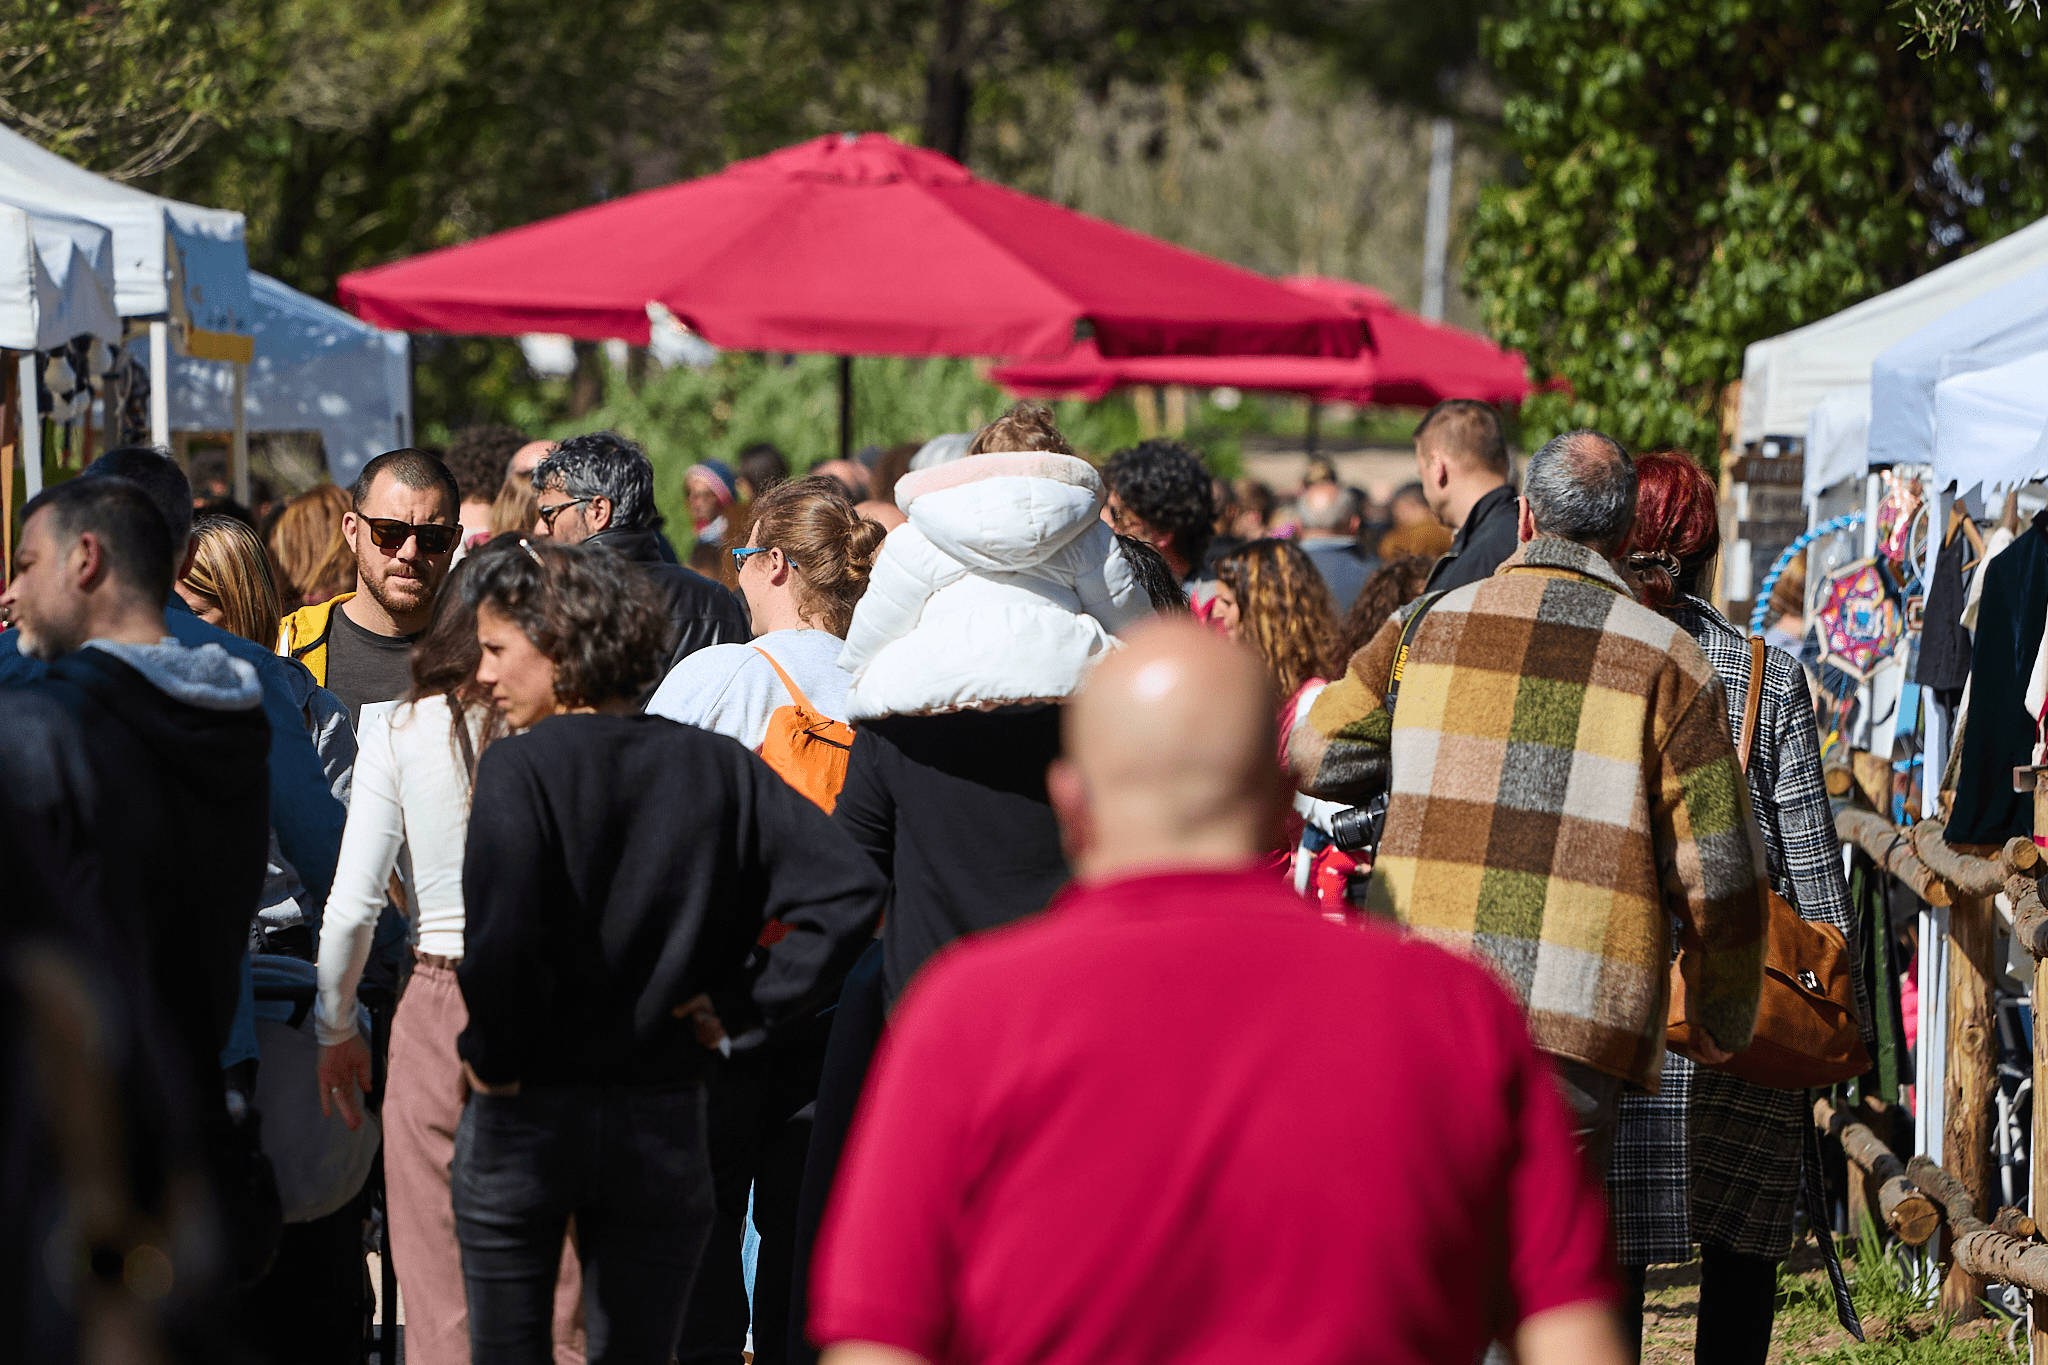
31 427
846 407
239 451
160 384
10 425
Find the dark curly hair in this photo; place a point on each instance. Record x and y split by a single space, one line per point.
1392 586
479 456
583 606
1165 485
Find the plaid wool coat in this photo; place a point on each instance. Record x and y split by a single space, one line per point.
1712 1158
1562 785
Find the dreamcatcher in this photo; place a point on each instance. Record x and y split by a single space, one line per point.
1859 618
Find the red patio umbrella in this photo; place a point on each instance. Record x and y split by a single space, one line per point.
852 245
1408 361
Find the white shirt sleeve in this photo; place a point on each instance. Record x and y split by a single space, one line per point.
369 851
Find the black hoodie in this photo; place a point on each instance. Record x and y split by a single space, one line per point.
179 819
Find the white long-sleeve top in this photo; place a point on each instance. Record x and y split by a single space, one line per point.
409 811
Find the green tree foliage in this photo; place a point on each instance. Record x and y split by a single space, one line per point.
1700 174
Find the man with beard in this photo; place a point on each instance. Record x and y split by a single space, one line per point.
174 808
403 529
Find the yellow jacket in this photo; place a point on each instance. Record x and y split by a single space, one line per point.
304 635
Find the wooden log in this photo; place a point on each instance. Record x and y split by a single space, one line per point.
2013 1223
1958 1207
2020 854
1889 847
1972 1075
1988 1254
1969 875
1873 778
1836 773
1910 1214
2029 916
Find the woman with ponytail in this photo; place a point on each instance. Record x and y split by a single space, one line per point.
804 566
1712 1159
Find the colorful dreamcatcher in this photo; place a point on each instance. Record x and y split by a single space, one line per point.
1859 617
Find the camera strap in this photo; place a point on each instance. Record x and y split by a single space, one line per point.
1422 606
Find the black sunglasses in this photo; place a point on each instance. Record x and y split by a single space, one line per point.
548 514
434 538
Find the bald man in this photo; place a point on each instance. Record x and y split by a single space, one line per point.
1181 1118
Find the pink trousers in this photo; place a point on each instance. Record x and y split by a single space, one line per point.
423 1099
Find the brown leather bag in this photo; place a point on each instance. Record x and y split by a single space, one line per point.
1806 1032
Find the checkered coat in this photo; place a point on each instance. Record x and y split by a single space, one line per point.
1562 785
1711 1158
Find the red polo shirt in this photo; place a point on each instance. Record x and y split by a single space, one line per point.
1182 1118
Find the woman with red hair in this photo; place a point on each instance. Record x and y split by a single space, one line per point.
1711 1158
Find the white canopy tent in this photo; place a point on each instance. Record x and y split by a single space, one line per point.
183 267
1991 425
56 280
1837 440
2006 324
315 369
172 259
1785 377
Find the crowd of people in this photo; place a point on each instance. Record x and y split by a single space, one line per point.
975 905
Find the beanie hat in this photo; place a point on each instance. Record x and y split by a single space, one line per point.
715 475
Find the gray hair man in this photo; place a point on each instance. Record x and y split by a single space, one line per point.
599 488
1562 785
1329 537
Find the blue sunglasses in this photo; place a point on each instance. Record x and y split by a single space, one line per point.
739 556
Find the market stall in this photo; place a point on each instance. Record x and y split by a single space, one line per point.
314 368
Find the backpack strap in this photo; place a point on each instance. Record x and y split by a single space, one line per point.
1752 702
796 694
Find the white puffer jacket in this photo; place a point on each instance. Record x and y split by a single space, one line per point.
1004 586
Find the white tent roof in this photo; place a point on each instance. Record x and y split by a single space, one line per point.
1991 329
315 369
1837 439
56 280
1785 376
170 258
1989 425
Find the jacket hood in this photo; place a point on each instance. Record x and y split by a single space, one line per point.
198 709
205 676
1005 510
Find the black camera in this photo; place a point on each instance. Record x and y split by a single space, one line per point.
1360 826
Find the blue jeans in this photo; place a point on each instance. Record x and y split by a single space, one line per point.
629 1163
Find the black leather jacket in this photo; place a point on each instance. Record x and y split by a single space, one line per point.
703 611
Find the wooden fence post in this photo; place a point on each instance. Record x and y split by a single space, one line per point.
2037 1159
1972 1076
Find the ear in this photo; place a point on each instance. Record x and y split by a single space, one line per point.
1525 521
87 561
1068 792
599 513
350 522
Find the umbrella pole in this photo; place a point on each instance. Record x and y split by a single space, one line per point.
1315 425
846 407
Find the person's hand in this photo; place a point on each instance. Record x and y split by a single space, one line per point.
1707 1053
697 1009
344 1074
475 1082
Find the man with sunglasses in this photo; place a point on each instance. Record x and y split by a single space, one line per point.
403 529
599 488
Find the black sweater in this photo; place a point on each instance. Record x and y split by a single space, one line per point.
953 809
618 866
